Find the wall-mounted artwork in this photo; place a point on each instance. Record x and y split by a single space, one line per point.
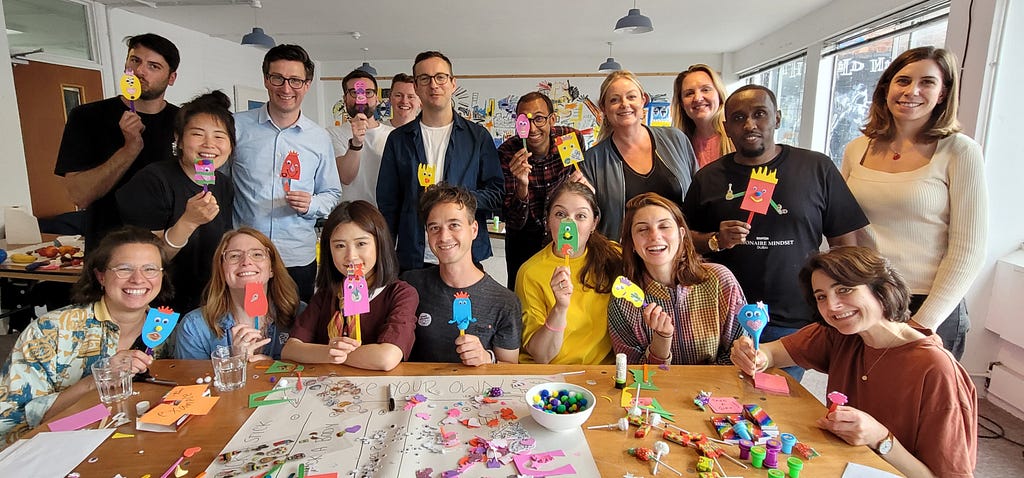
247 98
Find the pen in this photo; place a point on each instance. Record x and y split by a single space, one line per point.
391 398
169 383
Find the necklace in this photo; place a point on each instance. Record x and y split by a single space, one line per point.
895 154
864 378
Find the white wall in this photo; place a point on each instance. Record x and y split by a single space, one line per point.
14 180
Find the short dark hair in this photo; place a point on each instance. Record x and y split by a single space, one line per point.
158 44
289 53
403 78
368 218
214 103
357 74
533 96
445 193
771 94
88 288
943 121
431 54
856 265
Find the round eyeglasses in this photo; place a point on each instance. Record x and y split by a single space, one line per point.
235 256
125 271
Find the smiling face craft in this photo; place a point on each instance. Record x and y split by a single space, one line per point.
159 324
623 288
425 172
462 312
205 173
758 195
356 300
131 89
523 128
568 240
753 318
569 150
360 87
290 169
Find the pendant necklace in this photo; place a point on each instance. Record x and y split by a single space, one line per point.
864 378
895 154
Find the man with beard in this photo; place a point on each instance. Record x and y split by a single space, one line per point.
359 143
405 105
105 143
810 200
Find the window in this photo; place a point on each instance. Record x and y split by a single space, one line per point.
58 27
857 63
787 81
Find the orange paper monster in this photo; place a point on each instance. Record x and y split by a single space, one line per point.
759 192
290 169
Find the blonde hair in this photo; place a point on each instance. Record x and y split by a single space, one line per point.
606 127
685 123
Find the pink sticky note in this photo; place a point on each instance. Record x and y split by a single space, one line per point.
528 464
81 419
770 382
725 404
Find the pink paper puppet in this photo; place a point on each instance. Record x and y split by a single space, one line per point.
357 294
290 169
360 87
837 399
523 127
205 173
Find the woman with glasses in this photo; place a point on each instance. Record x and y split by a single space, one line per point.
631 158
698 110
49 367
187 201
243 256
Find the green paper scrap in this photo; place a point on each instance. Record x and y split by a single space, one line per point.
656 408
638 377
258 399
283 367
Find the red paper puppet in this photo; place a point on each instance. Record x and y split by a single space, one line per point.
759 192
290 169
256 304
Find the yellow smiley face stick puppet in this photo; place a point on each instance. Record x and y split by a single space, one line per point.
425 172
131 89
569 150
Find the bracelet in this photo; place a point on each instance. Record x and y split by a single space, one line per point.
173 245
493 358
650 354
553 329
669 336
352 147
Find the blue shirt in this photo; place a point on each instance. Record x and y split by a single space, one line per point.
196 341
259 189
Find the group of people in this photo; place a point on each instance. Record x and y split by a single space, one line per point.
664 208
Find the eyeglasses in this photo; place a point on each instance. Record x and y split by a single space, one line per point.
124 271
539 120
235 256
370 93
278 80
440 79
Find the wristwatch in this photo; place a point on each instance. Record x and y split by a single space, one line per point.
885 446
353 147
713 243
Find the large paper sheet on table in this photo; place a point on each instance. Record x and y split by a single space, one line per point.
51 453
342 424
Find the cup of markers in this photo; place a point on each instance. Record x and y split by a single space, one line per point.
560 406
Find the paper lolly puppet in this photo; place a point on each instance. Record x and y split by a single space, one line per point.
131 89
205 173
360 87
290 169
753 318
356 300
462 312
569 150
568 238
759 192
426 174
624 289
523 128
256 304
837 399
159 324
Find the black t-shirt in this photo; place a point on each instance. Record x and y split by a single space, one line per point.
155 199
92 136
659 180
816 203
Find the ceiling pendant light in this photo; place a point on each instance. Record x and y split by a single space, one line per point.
366 67
257 37
610 64
634 22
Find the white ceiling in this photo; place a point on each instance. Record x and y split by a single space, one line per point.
397 30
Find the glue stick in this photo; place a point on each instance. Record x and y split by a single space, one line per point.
620 370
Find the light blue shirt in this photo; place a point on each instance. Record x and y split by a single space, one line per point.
196 341
259 189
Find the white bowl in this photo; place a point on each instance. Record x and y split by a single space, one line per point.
560 422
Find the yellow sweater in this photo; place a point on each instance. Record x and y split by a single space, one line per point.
586 335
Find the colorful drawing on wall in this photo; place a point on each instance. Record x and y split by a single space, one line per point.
659 114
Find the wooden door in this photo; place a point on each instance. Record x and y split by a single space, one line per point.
45 93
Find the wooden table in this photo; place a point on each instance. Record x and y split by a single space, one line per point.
17 271
794 414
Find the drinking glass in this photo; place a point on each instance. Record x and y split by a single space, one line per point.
113 379
229 367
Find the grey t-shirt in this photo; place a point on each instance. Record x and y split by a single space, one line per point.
498 314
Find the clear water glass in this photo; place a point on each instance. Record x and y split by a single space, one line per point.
113 379
229 367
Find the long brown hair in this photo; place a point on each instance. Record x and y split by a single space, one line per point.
943 120
691 268
368 218
685 123
282 293
604 262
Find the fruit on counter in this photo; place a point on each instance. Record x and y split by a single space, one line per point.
72 250
23 258
48 251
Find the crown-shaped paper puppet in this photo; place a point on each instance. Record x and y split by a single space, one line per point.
764 174
159 324
759 191
462 312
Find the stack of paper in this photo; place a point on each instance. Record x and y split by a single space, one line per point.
50 453
177 407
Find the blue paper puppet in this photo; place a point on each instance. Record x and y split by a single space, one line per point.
159 324
462 312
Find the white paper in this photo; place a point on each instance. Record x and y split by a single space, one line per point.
853 470
51 453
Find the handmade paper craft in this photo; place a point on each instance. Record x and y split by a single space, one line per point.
569 150
753 318
131 89
81 419
290 169
256 304
770 382
360 87
426 174
523 128
181 401
160 322
568 237
759 191
623 288
205 175
462 312
725 405
357 295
